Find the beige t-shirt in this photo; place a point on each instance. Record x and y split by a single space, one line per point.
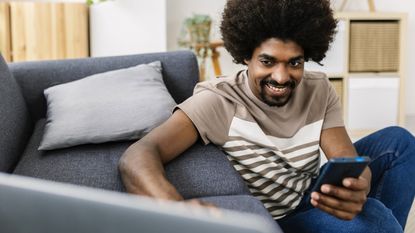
275 149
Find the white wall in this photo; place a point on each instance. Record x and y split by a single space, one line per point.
128 27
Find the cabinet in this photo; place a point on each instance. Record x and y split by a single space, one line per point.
366 65
5 44
43 30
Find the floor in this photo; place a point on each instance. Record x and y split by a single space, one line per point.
410 225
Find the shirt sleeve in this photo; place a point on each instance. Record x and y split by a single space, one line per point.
334 114
211 115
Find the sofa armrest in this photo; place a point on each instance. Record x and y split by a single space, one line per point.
15 123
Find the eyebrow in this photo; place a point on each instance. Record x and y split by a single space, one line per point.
268 57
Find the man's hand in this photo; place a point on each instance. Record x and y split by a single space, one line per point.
198 202
212 209
342 202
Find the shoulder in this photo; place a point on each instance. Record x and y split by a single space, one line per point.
316 79
220 82
315 76
317 86
217 92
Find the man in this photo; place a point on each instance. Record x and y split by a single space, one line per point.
271 120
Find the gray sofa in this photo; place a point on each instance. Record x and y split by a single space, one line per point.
201 172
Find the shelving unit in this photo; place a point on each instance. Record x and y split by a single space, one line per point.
366 64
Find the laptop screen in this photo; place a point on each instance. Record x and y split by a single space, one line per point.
38 206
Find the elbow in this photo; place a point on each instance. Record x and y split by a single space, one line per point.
123 165
125 162
136 157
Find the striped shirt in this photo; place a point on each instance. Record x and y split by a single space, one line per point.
275 149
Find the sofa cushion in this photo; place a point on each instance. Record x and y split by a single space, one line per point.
122 104
244 203
205 171
200 171
89 165
14 120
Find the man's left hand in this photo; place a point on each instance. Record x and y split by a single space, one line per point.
342 202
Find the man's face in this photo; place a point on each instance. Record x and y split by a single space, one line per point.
275 70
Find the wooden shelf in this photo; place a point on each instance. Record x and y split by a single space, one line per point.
355 15
373 74
369 106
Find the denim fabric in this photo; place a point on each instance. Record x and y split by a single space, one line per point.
392 151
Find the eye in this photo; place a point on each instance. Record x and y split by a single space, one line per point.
295 63
266 62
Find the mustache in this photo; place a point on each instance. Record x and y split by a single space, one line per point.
291 84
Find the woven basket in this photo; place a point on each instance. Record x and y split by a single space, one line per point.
374 46
338 86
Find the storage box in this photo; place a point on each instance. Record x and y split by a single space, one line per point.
373 102
374 46
338 86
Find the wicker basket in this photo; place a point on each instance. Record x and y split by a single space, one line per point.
338 86
374 46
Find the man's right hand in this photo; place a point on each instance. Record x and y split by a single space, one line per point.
198 202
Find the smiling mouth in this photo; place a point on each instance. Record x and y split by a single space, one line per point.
280 90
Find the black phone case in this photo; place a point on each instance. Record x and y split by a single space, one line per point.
339 168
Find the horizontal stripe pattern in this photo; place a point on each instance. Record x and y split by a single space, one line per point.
276 170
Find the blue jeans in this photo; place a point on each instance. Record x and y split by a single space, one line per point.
392 151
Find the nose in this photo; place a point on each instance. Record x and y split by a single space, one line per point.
280 74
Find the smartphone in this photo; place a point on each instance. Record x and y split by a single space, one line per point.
337 169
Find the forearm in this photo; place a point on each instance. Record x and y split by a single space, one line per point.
143 173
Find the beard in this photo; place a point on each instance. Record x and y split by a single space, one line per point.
276 101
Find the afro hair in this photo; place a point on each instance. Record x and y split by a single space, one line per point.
248 23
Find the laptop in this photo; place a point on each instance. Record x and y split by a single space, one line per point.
29 205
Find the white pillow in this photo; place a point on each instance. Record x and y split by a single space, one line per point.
117 105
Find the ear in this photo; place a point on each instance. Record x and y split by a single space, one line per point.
246 61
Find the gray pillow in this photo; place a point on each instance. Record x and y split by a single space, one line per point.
117 105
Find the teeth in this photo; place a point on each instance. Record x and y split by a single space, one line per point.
276 88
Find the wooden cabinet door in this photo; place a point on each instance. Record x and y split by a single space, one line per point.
42 30
5 45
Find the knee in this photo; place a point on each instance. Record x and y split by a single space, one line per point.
376 217
397 132
398 135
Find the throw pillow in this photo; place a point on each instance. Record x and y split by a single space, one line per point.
117 105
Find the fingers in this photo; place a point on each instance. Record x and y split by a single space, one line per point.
345 215
342 202
358 196
213 209
337 204
356 184
198 202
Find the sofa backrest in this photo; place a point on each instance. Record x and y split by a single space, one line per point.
180 73
14 120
